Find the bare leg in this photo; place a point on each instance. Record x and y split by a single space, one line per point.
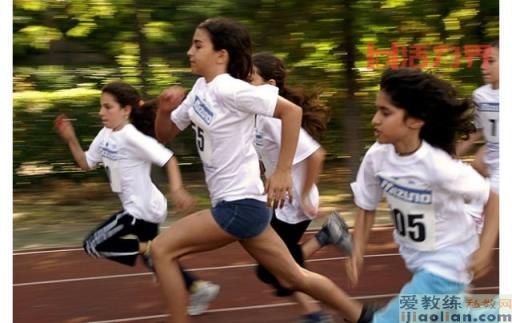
310 247
194 233
269 250
307 304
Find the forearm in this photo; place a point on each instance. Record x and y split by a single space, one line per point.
490 231
290 115
165 129
463 146
314 165
78 154
174 175
364 222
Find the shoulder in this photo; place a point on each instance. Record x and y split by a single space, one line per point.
378 149
131 134
442 166
482 92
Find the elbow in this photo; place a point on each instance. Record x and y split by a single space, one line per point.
161 136
320 154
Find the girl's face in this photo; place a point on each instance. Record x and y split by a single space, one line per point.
392 126
491 67
112 115
204 60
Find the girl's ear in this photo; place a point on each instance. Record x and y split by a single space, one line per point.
272 82
127 109
414 123
222 57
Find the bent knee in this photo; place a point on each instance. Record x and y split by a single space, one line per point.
294 280
88 247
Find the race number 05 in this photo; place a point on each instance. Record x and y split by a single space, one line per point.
411 225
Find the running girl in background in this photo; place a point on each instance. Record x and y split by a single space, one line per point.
291 221
487 103
127 152
221 107
417 120
487 117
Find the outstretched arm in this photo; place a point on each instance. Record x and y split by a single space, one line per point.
280 182
65 129
168 100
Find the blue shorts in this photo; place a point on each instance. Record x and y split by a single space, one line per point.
244 218
422 282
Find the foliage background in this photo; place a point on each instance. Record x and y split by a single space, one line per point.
65 50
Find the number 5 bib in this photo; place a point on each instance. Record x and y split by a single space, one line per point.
413 214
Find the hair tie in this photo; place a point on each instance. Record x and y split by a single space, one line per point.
141 103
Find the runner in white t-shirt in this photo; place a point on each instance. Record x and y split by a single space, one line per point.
417 120
221 107
291 221
127 153
487 117
487 104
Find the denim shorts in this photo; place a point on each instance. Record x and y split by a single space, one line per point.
244 218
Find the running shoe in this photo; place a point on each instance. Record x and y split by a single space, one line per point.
337 230
202 293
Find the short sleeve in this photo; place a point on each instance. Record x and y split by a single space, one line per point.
93 154
180 116
458 178
261 99
148 148
366 188
305 147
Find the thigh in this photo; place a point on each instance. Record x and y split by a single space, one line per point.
114 227
193 233
269 250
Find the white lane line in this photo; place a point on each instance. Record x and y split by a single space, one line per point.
70 280
255 307
24 253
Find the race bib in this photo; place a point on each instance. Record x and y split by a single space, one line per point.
413 214
490 119
203 144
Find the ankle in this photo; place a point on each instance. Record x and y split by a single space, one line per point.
147 250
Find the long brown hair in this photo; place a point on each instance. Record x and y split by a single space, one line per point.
315 114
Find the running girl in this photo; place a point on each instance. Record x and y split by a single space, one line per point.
417 120
221 107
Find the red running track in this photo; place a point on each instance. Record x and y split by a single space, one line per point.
68 286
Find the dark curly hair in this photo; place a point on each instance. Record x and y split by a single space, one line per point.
235 39
315 114
428 98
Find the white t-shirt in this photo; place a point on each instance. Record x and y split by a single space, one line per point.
426 192
222 114
127 155
487 118
268 145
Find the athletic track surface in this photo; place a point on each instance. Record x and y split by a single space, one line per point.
65 285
